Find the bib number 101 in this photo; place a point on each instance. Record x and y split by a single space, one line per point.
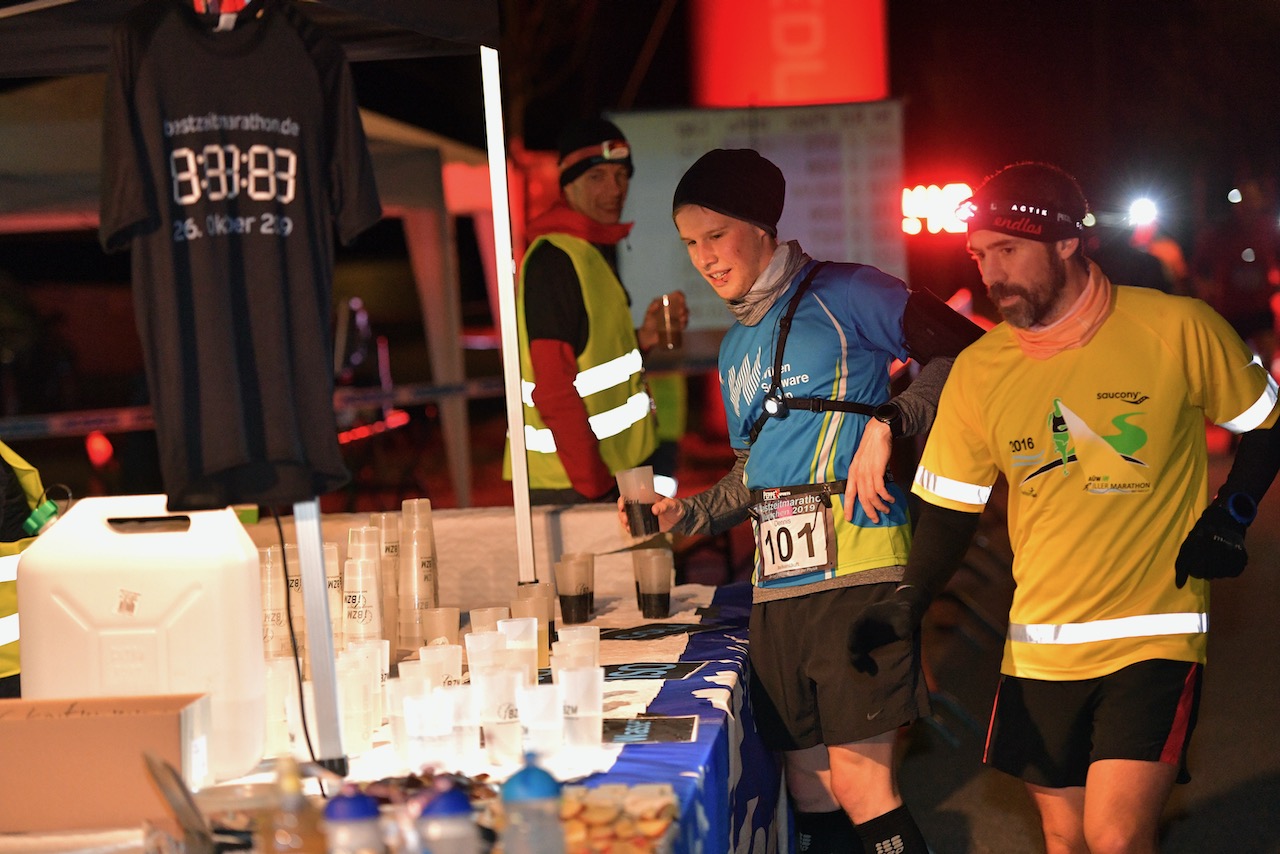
781 543
797 538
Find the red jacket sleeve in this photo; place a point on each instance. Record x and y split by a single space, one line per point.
564 413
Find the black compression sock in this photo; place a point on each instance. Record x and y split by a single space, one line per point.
895 832
826 833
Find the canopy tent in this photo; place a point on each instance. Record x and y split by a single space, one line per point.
44 38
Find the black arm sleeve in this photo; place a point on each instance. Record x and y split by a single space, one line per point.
719 507
1255 465
932 328
918 402
942 537
553 306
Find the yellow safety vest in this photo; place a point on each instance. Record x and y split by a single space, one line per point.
30 480
610 377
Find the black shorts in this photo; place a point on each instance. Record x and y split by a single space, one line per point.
805 690
1048 733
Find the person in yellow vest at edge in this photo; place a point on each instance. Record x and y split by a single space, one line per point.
587 411
20 493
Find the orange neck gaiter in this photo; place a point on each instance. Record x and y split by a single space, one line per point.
1077 327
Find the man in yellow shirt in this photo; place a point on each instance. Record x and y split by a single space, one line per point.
1090 400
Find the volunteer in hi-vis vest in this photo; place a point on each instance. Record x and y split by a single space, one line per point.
20 493
587 411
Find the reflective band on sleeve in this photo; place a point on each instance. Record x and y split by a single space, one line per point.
592 380
1256 414
619 418
953 490
9 568
604 424
1145 625
611 373
539 441
8 629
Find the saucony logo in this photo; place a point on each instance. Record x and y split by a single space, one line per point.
1133 397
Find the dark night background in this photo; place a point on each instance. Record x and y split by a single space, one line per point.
1176 99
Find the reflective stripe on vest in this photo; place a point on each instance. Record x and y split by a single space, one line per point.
1145 625
603 424
1256 414
954 490
598 378
9 622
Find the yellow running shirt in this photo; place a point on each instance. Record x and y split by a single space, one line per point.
1103 448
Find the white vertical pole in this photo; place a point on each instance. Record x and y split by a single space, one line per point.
497 148
326 737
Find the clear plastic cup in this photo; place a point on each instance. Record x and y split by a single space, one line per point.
440 626
442 663
541 718
486 619
525 634
494 702
636 487
582 693
654 571
576 582
480 647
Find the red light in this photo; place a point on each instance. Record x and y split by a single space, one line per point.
395 418
766 53
99 449
933 208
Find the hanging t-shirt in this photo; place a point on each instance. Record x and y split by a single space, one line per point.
230 159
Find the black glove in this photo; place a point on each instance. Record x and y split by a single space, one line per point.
892 619
1214 548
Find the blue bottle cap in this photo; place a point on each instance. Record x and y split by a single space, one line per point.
447 803
530 783
351 805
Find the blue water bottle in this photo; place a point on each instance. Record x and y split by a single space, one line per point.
531 801
352 824
447 825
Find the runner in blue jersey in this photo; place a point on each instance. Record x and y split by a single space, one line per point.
805 377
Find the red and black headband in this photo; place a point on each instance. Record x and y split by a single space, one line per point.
1019 219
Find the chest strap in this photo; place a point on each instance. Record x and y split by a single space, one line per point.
776 405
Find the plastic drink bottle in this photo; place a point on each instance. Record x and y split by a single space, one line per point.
352 824
447 825
531 800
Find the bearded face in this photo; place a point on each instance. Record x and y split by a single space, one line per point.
1026 279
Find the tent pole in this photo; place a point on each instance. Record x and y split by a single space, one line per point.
497 147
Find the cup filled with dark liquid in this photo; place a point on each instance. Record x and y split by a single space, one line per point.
638 495
655 572
575 581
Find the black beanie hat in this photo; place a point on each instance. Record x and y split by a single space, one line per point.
736 182
591 142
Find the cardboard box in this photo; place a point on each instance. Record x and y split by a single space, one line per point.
77 764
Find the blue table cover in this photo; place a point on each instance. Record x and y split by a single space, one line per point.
726 782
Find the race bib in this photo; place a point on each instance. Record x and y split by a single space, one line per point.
794 535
